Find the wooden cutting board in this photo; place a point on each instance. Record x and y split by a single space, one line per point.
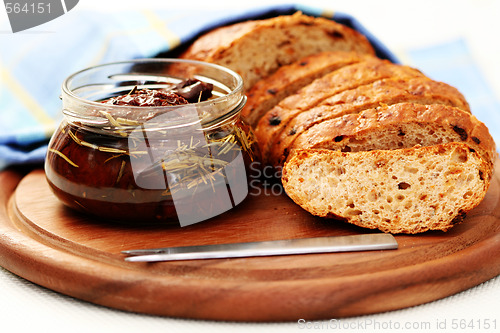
44 242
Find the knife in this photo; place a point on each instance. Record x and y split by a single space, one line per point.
364 242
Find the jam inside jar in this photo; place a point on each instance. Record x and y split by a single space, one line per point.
152 140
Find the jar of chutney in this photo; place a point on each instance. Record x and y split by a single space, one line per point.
152 140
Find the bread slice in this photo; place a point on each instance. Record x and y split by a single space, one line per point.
419 90
256 49
402 125
345 78
269 91
396 191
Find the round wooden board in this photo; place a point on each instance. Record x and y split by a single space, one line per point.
52 246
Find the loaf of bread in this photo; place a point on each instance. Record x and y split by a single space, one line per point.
256 49
288 79
419 90
397 191
360 139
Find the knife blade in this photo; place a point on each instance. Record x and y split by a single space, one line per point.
364 242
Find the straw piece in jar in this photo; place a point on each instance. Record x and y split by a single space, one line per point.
120 172
124 121
57 152
110 118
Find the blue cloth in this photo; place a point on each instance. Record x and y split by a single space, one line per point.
451 62
33 65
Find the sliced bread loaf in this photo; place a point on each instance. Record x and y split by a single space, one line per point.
269 91
256 49
402 125
336 82
397 191
419 90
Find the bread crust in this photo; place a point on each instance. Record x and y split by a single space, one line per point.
419 90
401 125
256 49
402 191
288 79
336 82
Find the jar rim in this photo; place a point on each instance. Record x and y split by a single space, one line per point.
232 94
69 91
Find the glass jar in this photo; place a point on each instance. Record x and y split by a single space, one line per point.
184 163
